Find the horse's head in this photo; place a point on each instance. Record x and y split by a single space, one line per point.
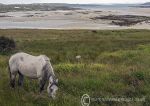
52 87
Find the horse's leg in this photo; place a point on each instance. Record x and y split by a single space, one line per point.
20 80
12 79
42 84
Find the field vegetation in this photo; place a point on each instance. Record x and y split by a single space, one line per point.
112 64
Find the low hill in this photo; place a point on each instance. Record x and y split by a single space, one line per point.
35 7
147 3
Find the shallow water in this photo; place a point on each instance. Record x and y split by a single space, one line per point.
36 24
52 24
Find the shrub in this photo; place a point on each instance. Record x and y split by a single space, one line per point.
139 75
6 44
94 31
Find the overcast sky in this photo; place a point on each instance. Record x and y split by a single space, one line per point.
72 1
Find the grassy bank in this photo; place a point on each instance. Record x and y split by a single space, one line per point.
113 64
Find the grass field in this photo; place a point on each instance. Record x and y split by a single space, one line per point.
113 64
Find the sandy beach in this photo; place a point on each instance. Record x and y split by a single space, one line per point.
70 19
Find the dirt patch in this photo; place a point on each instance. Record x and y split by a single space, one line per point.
98 11
28 16
68 14
5 16
84 12
124 20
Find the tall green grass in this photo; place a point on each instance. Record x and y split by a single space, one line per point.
112 64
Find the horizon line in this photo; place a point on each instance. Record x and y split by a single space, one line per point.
73 3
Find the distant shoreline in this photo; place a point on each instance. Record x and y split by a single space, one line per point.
62 6
64 17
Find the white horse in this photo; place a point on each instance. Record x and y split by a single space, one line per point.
38 67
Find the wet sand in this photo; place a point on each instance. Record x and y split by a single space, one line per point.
70 19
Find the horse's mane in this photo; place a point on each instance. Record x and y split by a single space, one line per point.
48 67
